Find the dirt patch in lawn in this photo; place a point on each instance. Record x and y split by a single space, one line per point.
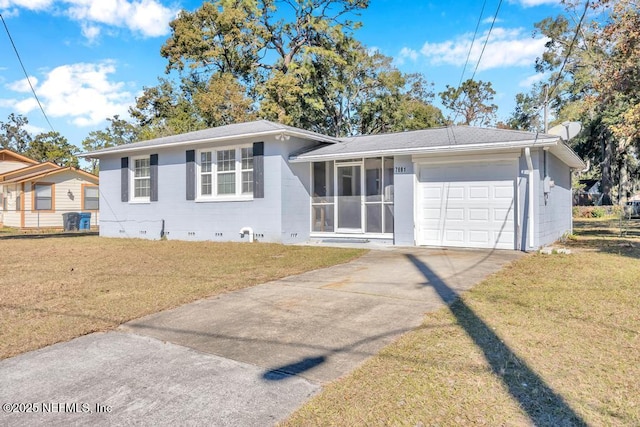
550 340
55 289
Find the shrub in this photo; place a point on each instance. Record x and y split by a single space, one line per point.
598 212
575 212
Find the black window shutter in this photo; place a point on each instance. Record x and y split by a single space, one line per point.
258 170
191 174
124 179
153 162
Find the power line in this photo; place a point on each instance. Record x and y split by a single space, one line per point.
569 51
556 81
475 33
484 46
495 17
25 72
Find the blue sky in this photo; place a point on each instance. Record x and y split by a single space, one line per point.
89 59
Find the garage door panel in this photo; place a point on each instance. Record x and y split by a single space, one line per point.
432 193
455 193
477 192
428 214
478 236
432 234
478 214
455 214
501 215
503 192
453 236
467 205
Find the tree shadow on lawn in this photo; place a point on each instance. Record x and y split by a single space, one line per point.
608 228
619 246
543 406
608 236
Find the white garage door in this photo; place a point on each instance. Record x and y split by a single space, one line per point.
467 205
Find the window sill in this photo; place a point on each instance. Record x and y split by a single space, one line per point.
140 202
224 199
329 234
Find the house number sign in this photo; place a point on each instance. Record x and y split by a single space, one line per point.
401 169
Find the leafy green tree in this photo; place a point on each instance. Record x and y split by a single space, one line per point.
471 101
223 101
13 135
52 147
118 132
528 111
273 50
167 109
296 62
592 55
248 37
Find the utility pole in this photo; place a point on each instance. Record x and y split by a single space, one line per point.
546 108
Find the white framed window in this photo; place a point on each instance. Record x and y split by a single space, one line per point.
90 198
141 179
225 173
206 173
246 154
43 197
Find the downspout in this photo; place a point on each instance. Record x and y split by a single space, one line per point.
527 155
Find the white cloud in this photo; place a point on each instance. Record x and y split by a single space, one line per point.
34 130
27 4
90 32
83 91
489 20
22 85
409 53
531 80
7 103
506 48
150 18
10 13
147 17
80 92
26 105
406 53
534 3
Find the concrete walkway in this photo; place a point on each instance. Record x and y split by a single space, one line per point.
245 358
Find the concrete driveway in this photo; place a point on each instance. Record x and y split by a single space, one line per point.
245 358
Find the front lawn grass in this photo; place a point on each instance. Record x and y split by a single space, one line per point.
54 289
550 340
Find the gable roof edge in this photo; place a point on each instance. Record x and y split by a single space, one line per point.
18 157
50 172
128 148
308 156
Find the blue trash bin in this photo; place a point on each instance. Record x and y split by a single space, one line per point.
85 221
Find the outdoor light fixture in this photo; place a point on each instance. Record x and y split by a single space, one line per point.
69 194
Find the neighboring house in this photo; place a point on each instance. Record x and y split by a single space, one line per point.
451 186
589 194
36 195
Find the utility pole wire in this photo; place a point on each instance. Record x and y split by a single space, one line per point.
495 17
484 46
573 42
549 92
25 72
473 40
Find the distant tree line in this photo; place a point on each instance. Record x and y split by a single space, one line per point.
45 146
592 69
299 63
